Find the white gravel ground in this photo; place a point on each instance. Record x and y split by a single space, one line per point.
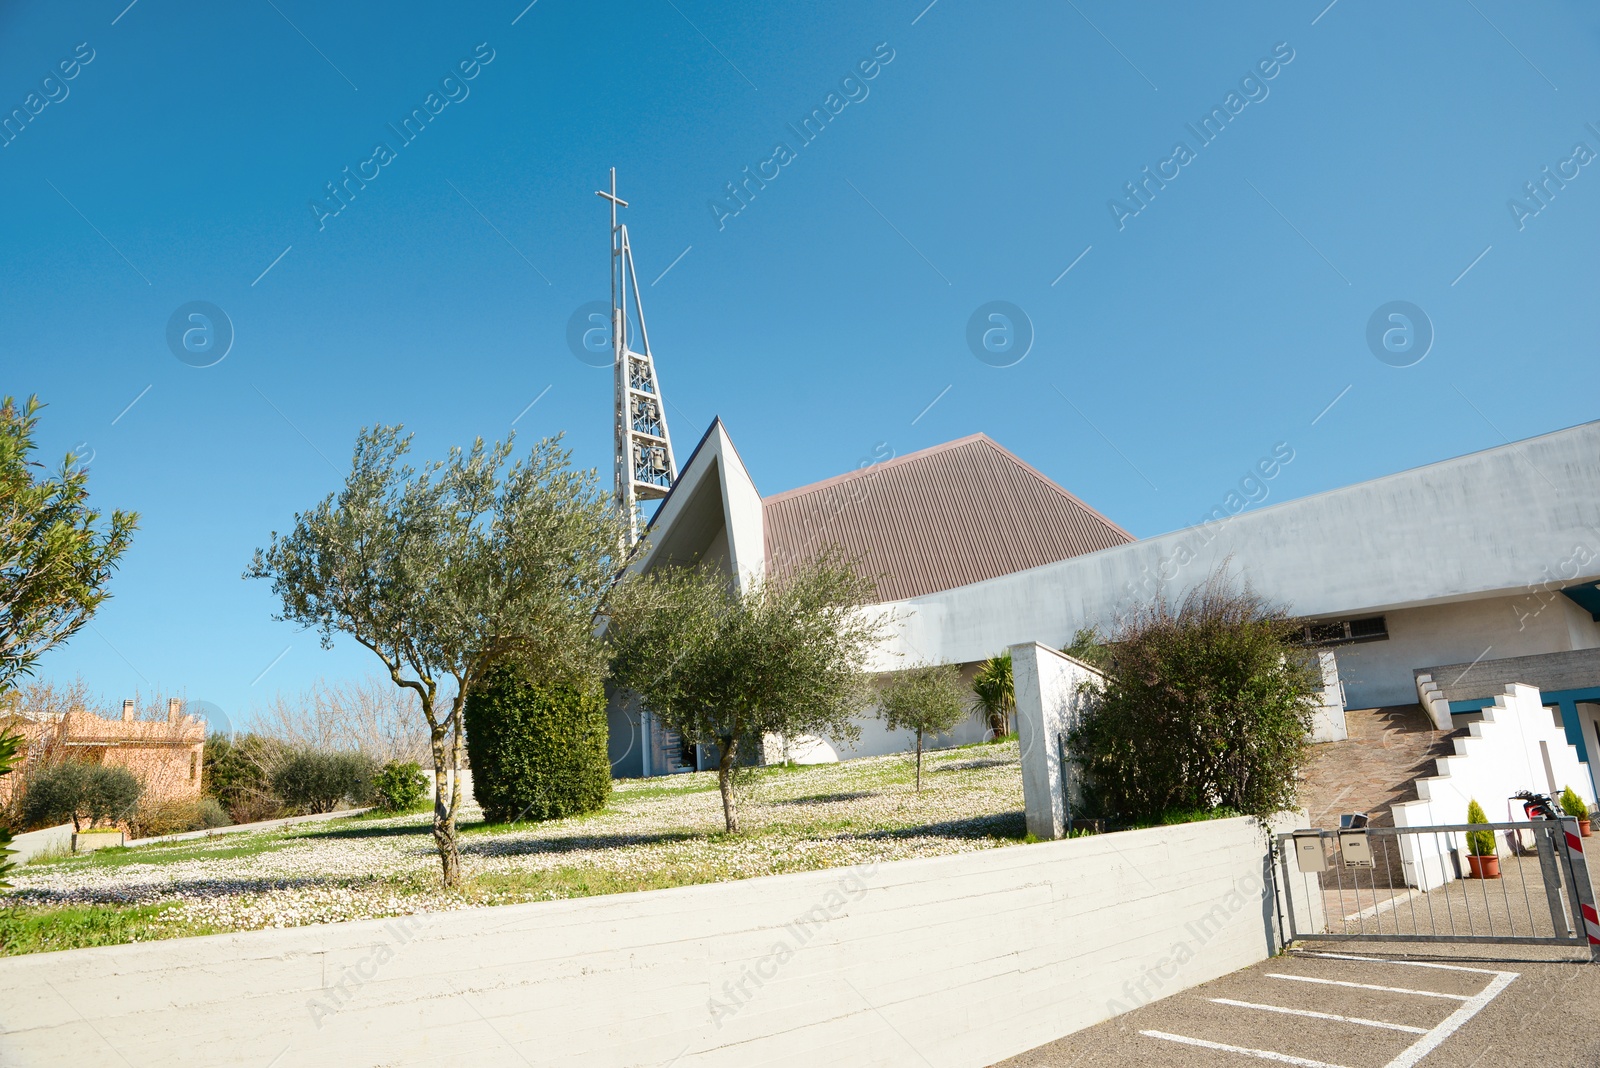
793 819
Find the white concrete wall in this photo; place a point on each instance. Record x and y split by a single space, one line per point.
38 843
1379 673
1050 694
1583 631
1479 526
1327 719
1516 746
963 960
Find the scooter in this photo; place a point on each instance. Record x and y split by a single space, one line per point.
1538 806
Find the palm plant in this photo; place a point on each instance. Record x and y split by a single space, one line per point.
996 694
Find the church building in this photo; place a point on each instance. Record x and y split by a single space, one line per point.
1432 587
1427 585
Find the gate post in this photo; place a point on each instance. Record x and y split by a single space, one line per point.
1047 685
1583 889
1545 838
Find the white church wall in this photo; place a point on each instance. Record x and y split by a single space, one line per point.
742 507
1380 673
1476 527
969 959
878 740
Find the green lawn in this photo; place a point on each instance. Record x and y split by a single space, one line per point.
654 833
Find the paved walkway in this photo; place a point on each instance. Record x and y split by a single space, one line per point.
1328 1007
1376 768
262 825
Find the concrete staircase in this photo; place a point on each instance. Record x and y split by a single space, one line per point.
1376 767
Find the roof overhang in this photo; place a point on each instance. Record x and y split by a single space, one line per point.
713 492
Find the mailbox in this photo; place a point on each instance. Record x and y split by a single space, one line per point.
1308 852
1355 849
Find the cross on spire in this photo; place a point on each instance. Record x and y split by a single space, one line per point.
616 201
645 466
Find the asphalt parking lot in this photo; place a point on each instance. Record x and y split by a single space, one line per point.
1331 1006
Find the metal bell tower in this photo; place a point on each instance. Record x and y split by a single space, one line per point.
645 467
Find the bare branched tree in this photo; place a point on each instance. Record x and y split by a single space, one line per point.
369 715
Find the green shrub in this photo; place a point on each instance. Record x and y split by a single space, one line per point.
156 818
538 750
1089 648
212 814
237 775
10 742
1479 843
57 793
317 781
399 786
1207 706
1573 805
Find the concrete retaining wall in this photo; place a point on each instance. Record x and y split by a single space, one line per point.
965 959
37 843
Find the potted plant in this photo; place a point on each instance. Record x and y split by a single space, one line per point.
1482 857
1573 806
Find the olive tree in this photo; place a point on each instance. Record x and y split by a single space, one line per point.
927 699
446 572
55 556
71 790
725 665
1208 705
317 781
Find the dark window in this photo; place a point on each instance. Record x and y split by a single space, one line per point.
1346 631
1372 629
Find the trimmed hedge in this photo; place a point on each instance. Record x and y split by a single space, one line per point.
538 750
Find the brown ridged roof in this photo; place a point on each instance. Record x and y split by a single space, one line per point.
933 520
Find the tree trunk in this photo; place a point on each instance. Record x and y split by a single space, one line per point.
919 762
725 783
444 813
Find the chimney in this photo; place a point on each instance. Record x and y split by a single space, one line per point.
127 711
174 710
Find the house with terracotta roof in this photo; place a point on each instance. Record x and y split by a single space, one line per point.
1431 586
166 755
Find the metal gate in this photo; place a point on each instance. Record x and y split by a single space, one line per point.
1421 884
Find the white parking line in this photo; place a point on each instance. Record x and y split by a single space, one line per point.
1323 1016
1369 986
1263 1054
1450 1024
1409 1057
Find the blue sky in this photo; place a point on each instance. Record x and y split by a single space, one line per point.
828 319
